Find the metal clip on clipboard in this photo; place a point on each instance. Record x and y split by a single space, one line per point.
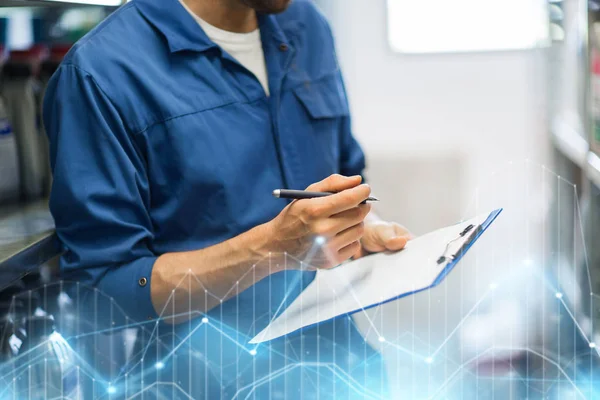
465 245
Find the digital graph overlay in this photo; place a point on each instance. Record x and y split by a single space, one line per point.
417 347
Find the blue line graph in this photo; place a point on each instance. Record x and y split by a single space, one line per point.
89 357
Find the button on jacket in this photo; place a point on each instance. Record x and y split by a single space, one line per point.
162 142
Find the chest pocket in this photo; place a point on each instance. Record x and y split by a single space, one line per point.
319 127
324 98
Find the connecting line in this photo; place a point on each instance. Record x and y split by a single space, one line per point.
170 298
311 253
278 353
549 287
553 289
351 383
402 349
276 313
331 367
527 349
585 253
467 315
242 277
25 370
530 350
188 274
361 308
415 355
260 382
128 326
6 389
187 337
157 384
38 359
154 330
377 310
577 325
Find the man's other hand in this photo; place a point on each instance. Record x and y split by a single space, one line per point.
383 236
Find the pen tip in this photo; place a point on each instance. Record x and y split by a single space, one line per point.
276 193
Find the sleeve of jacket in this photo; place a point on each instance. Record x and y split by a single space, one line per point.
100 194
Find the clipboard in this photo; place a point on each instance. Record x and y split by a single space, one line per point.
379 278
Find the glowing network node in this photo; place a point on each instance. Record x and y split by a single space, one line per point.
429 360
320 240
160 365
493 286
592 345
528 261
381 339
559 295
252 352
111 390
204 320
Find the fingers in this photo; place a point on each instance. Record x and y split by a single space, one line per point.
335 183
350 235
402 231
329 227
348 251
386 236
394 236
345 245
396 243
348 194
339 202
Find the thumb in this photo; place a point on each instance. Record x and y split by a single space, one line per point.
336 183
389 237
402 231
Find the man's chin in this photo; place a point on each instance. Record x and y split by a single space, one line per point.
268 6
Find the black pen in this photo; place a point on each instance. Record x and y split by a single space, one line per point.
303 194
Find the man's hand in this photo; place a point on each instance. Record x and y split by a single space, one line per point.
383 236
323 232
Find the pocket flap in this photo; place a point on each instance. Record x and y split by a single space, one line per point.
324 98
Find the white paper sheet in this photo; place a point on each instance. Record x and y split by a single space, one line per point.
368 281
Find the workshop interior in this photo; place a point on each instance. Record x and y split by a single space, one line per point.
460 106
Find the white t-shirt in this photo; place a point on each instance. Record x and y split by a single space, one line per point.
246 48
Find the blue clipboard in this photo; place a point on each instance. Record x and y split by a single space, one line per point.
449 267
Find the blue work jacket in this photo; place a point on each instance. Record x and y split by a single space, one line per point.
162 142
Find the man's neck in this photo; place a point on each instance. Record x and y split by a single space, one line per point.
229 15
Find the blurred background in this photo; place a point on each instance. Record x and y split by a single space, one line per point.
461 106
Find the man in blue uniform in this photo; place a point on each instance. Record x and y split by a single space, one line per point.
170 124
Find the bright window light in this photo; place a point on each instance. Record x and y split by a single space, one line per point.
20 29
442 26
